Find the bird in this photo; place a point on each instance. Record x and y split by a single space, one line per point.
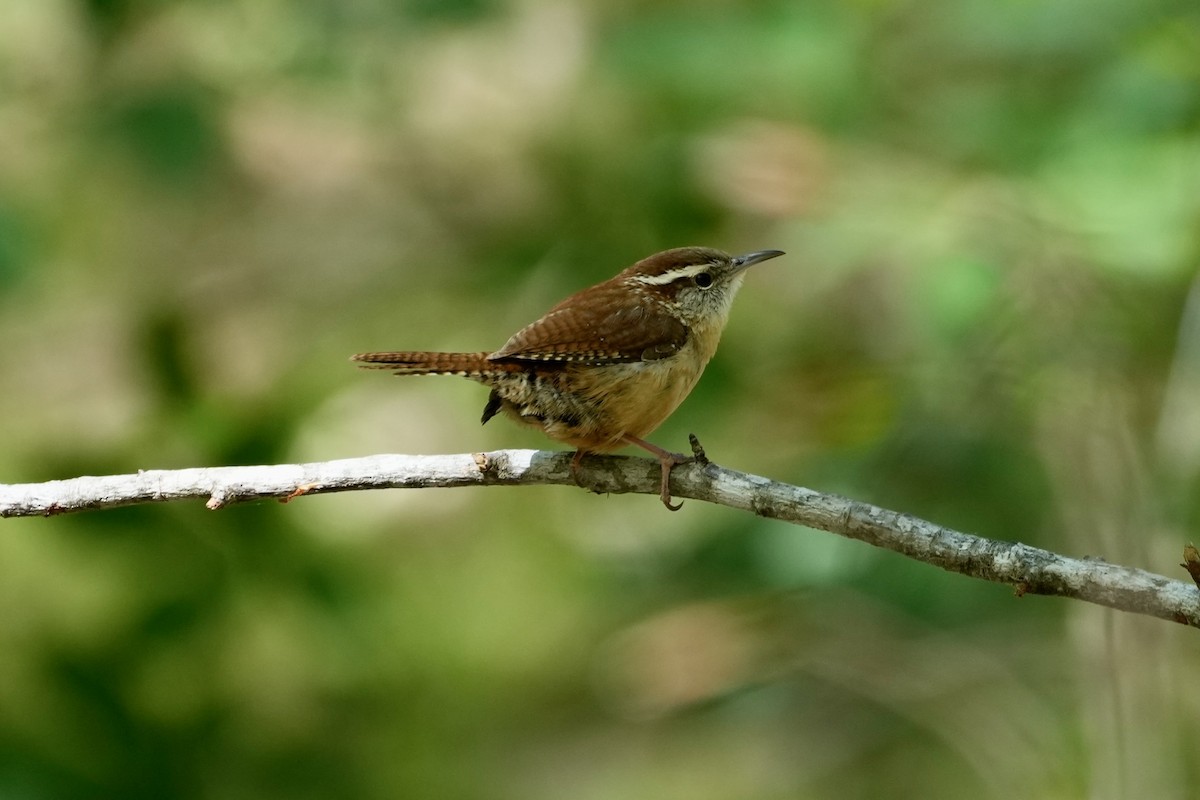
606 366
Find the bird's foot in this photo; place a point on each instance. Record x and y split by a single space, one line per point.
668 461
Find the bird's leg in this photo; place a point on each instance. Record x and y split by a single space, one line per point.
575 461
668 460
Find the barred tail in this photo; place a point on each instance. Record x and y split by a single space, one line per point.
427 363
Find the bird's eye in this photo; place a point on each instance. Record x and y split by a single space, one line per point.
703 279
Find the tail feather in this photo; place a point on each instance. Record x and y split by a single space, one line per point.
426 363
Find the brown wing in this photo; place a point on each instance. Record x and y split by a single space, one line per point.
597 326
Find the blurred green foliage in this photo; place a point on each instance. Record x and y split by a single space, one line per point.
988 316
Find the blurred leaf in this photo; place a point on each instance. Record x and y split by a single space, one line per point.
441 11
955 295
170 131
16 248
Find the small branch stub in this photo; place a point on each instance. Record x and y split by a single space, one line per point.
1191 562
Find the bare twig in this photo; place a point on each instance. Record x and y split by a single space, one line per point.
1029 569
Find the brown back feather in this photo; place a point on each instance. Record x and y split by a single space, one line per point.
596 326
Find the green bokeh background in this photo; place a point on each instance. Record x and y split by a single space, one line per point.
989 316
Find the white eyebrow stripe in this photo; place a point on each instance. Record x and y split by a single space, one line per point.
690 271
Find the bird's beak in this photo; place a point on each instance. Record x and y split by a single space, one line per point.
750 259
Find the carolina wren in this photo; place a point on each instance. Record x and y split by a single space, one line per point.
605 367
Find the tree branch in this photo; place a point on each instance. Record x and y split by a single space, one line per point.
1029 569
